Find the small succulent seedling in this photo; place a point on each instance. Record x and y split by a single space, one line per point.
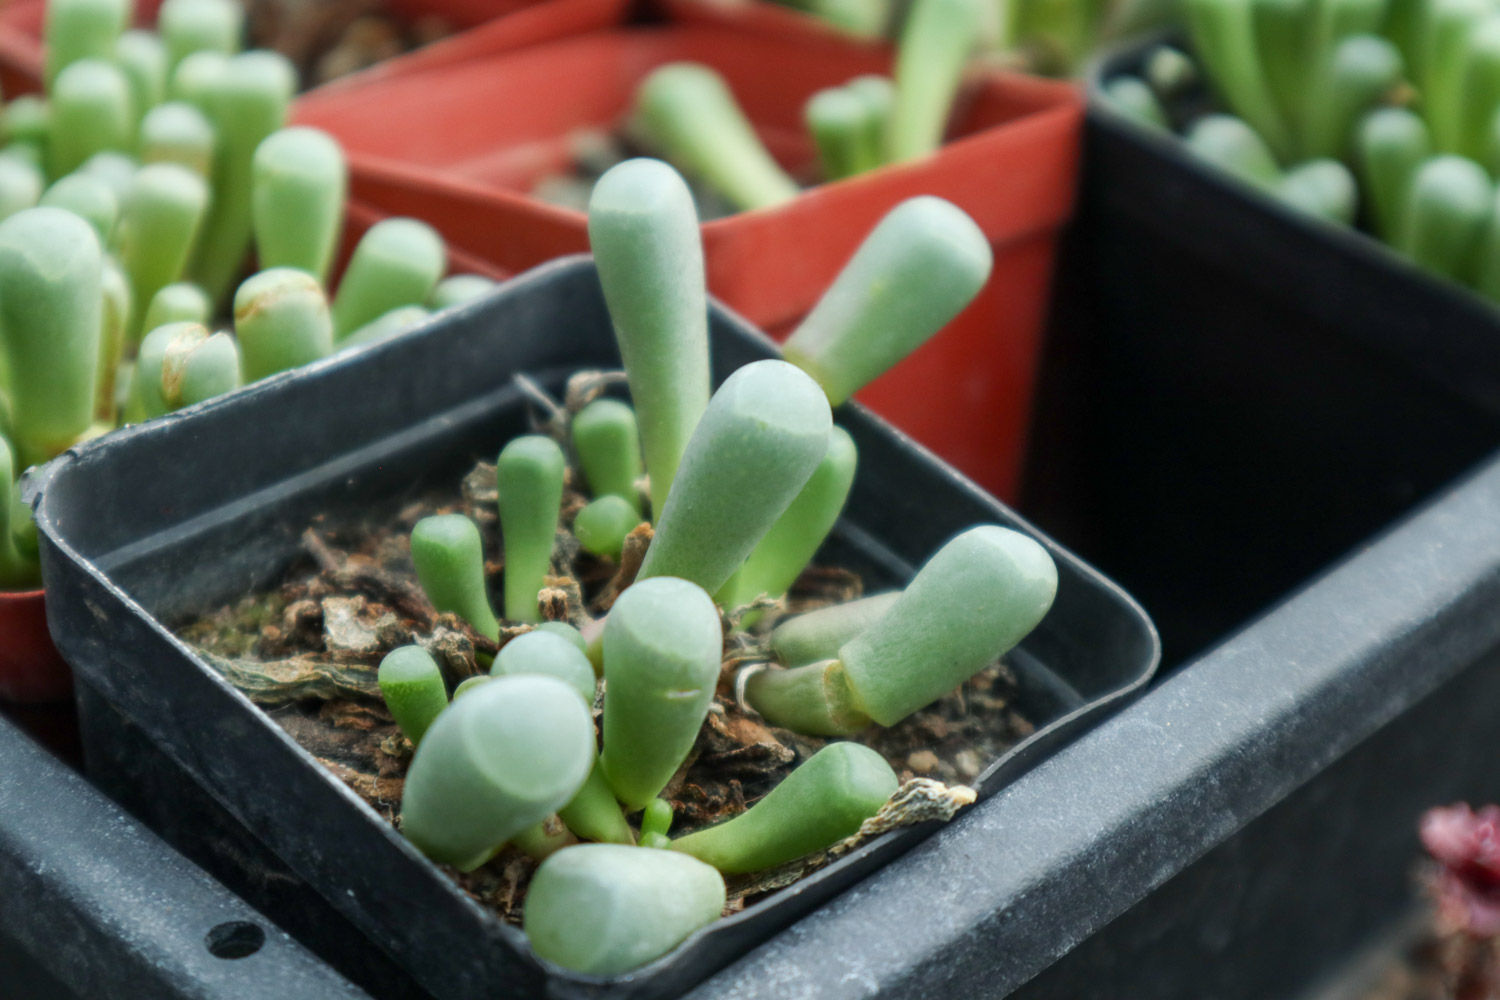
50 322
761 438
87 197
142 57
163 213
545 839
819 635
470 684
819 804
449 557
27 121
537 652
179 302
607 440
247 103
565 630
282 321
298 205
1321 188
687 111
782 555
114 168
18 569
1350 79
459 289
397 263
602 525
81 29
197 366
197 79
643 230
656 822
935 44
1447 208
177 132
919 267
604 909
189 26
91 111
20 186
529 476
1392 144
387 325
662 645
1131 96
496 762
1235 147
977 597
413 689
836 120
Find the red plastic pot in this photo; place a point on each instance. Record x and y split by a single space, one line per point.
511 23
476 136
31 669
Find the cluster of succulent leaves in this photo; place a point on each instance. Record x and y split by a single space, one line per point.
1381 111
687 113
742 486
131 196
1054 37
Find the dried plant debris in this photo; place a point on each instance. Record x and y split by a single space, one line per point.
308 653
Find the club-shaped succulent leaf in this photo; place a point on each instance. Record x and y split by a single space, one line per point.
977 597
879 95
282 321
662 646
143 59
781 556
300 182
115 169
595 814
20 186
545 839
1447 28
470 684
164 212
656 822
761 438
145 385
935 44
565 630
457 289
81 29
189 26
1352 78
1392 144
819 635
412 685
688 112
607 439
248 103
529 476
449 557
836 120
180 302
1447 208
1322 187
50 273
1130 96
387 325
87 197
537 652
820 803
1224 35
91 111
919 267
177 132
602 525
116 308
643 230
27 121
498 761
397 263
198 366
1234 146
604 909
18 570
198 79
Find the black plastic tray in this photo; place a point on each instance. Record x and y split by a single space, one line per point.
159 521
93 905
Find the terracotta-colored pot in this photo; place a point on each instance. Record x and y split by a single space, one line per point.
477 135
31 669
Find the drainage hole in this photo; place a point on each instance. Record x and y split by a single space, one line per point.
235 939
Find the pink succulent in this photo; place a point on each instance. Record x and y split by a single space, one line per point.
1467 846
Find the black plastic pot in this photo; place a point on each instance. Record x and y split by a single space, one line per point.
93 905
187 512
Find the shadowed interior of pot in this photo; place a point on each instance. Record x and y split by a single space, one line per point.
416 412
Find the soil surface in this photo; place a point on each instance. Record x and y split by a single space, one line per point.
308 652
332 38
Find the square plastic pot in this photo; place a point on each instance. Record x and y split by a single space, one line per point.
469 152
208 505
92 904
